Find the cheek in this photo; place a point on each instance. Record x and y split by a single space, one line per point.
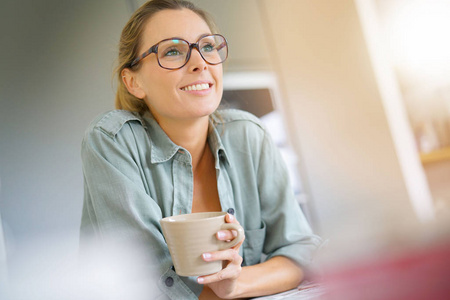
218 85
158 84
217 72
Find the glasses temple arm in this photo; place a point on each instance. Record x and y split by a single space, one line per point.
222 45
142 56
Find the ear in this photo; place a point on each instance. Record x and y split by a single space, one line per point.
131 82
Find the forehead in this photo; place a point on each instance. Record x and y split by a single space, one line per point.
169 23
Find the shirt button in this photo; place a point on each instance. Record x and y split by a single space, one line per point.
169 281
230 211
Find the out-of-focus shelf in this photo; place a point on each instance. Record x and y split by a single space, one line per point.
435 156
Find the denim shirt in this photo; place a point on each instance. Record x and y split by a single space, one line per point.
135 175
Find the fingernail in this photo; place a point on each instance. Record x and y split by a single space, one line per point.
234 232
206 255
200 280
220 234
230 217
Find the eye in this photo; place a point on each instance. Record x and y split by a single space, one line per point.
173 51
208 47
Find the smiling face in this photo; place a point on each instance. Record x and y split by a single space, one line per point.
189 93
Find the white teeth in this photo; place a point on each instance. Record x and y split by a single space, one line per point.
196 87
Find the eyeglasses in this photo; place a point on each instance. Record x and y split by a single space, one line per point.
174 53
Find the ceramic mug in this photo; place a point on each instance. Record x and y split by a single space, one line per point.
188 236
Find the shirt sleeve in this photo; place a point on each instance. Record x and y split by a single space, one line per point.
119 213
287 230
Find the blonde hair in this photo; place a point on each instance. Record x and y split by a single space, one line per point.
131 39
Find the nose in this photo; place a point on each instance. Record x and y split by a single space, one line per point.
196 62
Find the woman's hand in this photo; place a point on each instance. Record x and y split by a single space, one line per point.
224 282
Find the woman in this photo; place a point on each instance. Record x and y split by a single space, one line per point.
167 152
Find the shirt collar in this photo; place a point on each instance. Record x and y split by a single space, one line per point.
215 142
163 149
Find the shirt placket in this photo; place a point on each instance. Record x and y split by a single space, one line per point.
224 188
183 183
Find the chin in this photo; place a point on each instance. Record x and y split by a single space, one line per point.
208 108
205 112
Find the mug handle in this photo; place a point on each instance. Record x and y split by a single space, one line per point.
238 238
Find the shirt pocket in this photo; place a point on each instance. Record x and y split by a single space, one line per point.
253 245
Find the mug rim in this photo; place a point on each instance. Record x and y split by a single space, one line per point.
177 218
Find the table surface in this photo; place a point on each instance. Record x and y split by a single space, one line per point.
304 291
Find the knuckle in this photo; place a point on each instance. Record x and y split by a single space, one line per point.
234 253
235 256
240 260
236 272
220 276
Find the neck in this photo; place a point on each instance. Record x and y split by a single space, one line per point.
189 134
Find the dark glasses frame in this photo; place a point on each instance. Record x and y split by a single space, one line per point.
154 49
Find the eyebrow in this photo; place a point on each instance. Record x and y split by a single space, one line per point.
182 38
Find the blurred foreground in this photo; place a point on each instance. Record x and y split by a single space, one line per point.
408 263
47 271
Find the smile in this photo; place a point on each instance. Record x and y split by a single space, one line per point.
196 87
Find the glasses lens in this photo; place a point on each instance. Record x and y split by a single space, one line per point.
213 48
172 53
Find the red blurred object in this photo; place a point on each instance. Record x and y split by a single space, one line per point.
418 274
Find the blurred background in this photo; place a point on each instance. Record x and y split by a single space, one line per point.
355 92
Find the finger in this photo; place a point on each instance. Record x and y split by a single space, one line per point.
226 235
229 218
230 272
229 235
230 255
238 245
